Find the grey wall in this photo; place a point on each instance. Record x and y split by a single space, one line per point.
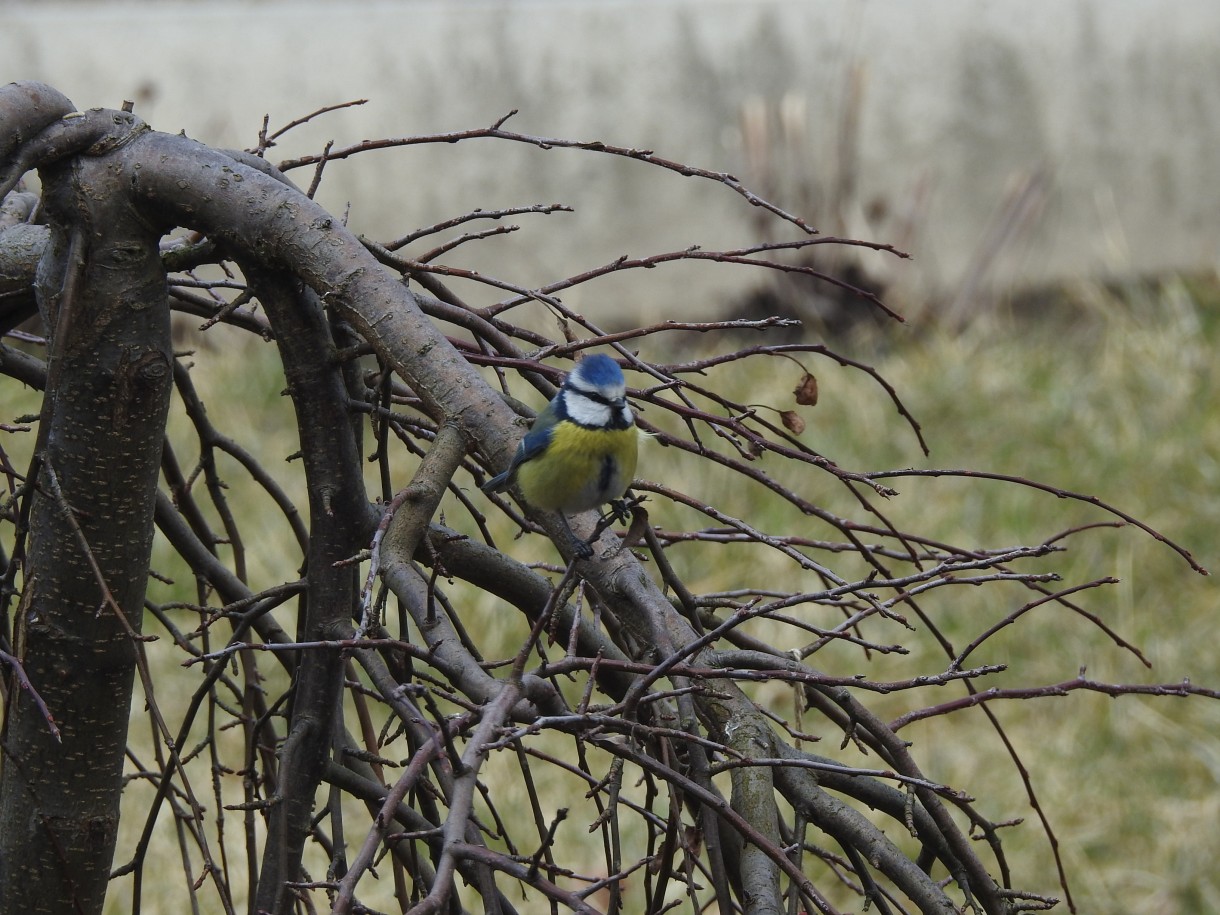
999 141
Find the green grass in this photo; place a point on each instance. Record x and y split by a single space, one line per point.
1115 401
1114 398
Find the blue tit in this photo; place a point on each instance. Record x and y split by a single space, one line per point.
580 452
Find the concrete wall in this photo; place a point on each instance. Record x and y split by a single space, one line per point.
999 141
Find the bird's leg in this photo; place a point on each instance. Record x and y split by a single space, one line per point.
621 510
581 548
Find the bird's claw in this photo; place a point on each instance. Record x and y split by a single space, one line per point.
621 510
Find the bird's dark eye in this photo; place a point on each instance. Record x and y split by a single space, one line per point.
598 398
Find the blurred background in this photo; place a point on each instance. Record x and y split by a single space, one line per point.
1006 145
1051 167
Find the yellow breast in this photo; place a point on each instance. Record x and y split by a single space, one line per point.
580 469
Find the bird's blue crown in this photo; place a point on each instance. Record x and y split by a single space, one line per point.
598 371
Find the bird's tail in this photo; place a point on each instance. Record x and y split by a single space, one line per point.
498 483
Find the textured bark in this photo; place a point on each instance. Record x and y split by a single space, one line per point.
102 293
338 510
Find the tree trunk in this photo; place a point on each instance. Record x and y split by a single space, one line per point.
340 522
102 295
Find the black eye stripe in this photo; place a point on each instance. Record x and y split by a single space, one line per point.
597 397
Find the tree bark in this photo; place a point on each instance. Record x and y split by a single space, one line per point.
102 293
339 515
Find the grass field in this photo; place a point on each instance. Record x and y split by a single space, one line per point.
1111 395
1108 394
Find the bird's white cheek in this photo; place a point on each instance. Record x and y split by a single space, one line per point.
587 413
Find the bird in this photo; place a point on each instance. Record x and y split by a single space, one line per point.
580 453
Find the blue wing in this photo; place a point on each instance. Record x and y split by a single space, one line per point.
535 442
